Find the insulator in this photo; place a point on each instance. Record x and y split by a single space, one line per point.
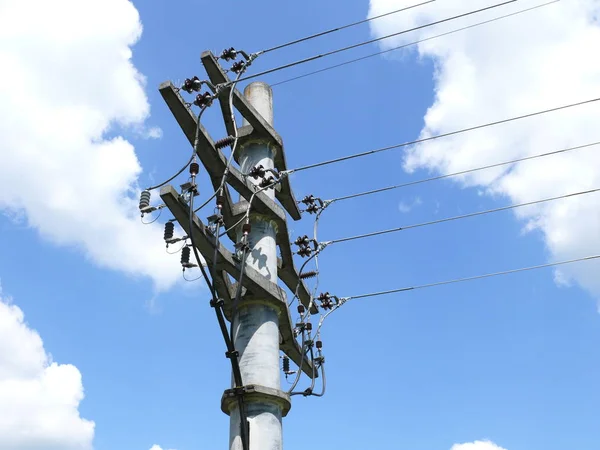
308 200
228 54
307 275
237 67
145 199
312 209
194 168
319 344
286 364
304 251
185 256
302 240
267 182
191 84
222 143
309 326
169 230
301 309
246 228
257 172
324 296
203 100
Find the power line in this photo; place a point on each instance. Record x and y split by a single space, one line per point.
463 216
371 41
431 138
333 30
478 277
410 44
462 172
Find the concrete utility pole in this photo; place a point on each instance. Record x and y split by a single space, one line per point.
261 321
256 323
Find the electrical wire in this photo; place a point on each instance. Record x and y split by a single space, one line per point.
151 188
307 315
238 293
176 251
352 61
463 216
153 220
237 374
371 41
333 30
219 191
454 174
192 279
180 171
439 136
478 277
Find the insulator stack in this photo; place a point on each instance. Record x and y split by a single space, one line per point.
145 199
191 84
194 168
185 256
169 230
309 327
267 182
238 67
326 301
203 100
308 200
302 240
307 275
301 309
257 172
228 54
246 228
319 345
304 252
312 209
226 141
286 365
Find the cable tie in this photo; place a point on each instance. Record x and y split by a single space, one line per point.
232 354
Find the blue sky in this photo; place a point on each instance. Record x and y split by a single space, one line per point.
512 360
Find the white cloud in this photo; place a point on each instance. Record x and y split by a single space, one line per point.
406 207
39 398
153 133
537 60
477 445
157 447
66 80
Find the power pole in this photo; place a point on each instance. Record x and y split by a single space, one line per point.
256 322
261 320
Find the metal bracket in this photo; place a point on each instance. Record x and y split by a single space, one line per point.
215 163
252 280
258 124
255 393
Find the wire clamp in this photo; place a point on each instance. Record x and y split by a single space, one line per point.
232 354
217 303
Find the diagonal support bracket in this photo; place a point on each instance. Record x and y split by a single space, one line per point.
259 126
215 163
252 280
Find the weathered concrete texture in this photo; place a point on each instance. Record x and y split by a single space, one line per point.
256 324
260 95
256 336
265 427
